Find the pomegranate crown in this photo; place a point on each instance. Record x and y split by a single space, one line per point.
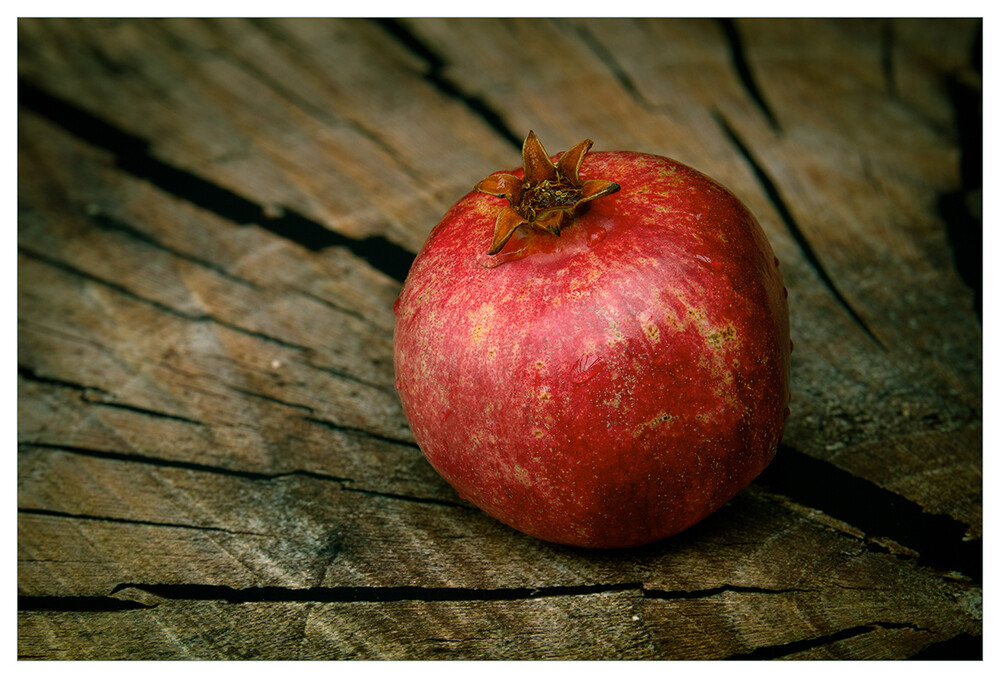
547 196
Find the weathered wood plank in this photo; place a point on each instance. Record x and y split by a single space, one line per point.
215 218
272 110
631 623
92 293
132 528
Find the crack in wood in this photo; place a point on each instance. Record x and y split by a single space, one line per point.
294 51
366 594
707 593
435 65
360 594
340 428
270 399
109 223
255 394
75 604
185 465
785 649
808 253
132 155
341 374
329 304
343 482
143 410
121 289
737 53
43 328
886 58
87 394
130 521
30 374
411 498
158 305
614 67
939 540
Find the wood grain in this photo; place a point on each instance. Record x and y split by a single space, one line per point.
215 217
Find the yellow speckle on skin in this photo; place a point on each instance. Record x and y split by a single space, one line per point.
697 313
661 418
720 337
481 320
583 286
715 337
649 328
521 475
614 402
615 335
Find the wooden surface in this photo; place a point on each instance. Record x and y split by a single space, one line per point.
215 217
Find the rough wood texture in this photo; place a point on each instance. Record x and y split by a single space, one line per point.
216 216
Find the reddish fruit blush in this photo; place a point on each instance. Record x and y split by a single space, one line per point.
609 385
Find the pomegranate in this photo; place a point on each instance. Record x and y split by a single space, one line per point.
599 362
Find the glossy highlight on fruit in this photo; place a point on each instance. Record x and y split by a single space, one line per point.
594 349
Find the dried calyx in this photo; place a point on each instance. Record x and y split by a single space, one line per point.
547 196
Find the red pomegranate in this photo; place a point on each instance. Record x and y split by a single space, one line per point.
595 350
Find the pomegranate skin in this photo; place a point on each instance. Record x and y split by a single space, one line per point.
610 386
